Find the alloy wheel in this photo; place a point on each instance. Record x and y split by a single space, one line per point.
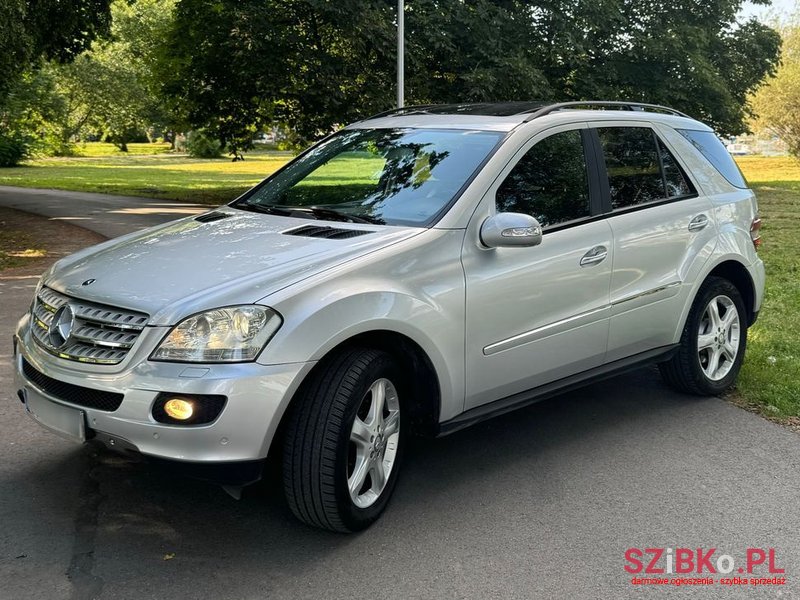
374 441
718 337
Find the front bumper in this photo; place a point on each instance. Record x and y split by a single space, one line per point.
257 398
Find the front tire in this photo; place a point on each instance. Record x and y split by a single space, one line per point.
713 341
344 442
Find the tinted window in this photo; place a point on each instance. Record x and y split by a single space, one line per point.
392 176
678 184
710 146
550 182
634 172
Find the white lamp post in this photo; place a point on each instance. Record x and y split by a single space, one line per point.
401 51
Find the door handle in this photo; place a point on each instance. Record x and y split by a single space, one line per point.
594 256
698 223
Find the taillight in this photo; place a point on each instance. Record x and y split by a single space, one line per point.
755 232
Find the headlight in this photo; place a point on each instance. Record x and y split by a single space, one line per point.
233 334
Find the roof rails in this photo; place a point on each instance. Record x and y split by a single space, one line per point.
405 110
604 104
533 110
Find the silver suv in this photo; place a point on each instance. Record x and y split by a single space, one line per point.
414 273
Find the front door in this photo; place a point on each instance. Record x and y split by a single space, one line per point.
535 315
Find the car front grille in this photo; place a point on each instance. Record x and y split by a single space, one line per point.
74 394
98 333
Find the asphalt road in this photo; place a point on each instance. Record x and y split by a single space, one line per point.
541 503
105 214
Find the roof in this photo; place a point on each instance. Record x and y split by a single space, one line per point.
505 116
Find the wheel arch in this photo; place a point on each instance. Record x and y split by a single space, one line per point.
736 272
423 380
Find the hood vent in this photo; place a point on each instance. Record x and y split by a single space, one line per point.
214 215
332 233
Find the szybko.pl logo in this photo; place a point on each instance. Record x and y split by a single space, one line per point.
659 566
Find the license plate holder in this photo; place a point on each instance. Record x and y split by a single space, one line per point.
65 421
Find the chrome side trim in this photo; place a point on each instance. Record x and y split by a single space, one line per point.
533 335
647 293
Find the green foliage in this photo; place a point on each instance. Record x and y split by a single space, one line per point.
28 111
200 144
12 150
49 29
777 103
235 66
109 90
32 31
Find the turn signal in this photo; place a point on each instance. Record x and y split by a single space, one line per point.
179 409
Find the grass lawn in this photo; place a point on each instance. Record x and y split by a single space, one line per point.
770 379
161 175
105 149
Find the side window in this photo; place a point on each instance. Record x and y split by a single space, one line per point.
634 174
640 167
677 183
709 146
550 182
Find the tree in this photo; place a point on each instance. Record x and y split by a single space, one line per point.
234 66
32 31
110 89
50 29
777 103
693 56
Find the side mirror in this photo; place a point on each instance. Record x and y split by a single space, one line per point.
511 230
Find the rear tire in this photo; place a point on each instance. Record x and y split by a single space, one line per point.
344 442
713 341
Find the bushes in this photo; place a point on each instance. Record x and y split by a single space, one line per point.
12 150
201 145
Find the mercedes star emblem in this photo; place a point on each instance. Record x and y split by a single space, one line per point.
61 326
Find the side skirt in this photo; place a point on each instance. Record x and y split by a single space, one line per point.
504 405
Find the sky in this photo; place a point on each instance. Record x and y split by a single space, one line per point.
779 7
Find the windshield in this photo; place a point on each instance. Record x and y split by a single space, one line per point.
387 176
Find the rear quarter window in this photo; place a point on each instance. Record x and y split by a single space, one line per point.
711 147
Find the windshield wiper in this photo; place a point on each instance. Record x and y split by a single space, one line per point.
337 215
267 210
316 211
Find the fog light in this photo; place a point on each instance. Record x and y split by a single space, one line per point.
179 409
187 410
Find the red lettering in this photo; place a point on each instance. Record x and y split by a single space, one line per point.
772 567
632 555
657 553
755 556
684 560
704 560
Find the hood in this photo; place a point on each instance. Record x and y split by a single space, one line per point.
187 266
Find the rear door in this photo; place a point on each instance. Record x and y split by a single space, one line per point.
661 226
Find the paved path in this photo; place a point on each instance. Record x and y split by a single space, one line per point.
105 214
541 503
